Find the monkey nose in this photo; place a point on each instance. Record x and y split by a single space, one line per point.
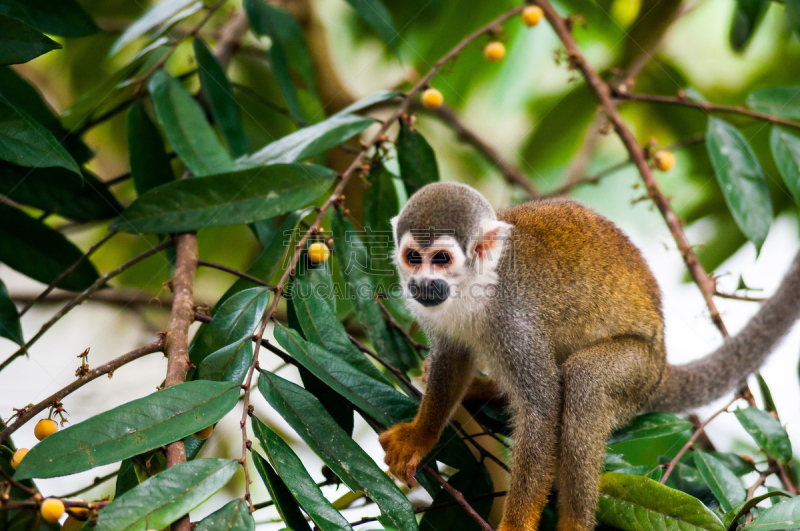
429 292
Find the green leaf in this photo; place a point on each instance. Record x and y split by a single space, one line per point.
343 455
219 94
40 252
793 14
299 482
649 426
777 101
228 364
236 319
150 164
747 16
26 142
374 13
741 180
81 197
735 463
234 516
767 431
186 127
636 503
766 395
355 264
156 15
470 482
267 20
416 159
19 43
785 515
225 199
283 499
10 326
381 204
723 483
126 478
321 325
742 508
164 498
130 429
309 141
65 18
786 152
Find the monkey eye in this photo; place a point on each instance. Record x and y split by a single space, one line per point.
413 257
441 258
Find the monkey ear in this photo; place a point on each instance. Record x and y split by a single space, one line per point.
394 221
491 239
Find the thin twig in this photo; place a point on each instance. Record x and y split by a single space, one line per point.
97 481
434 507
234 272
16 484
735 297
67 272
99 283
459 498
107 368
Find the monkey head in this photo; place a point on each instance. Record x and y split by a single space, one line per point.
448 244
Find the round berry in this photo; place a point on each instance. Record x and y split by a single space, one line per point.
664 160
52 509
531 15
16 459
432 98
494 51
44 428
318 252
203 434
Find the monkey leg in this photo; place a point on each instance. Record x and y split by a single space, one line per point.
604 387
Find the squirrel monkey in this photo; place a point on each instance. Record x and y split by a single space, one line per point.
562 311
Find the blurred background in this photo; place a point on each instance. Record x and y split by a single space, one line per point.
530 107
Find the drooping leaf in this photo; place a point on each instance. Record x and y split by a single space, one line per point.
130 429
150 165
777 101
19 43
308 141
416 158
298 481
65 18
25 142
636 503
126 478
380 206
767 431
747 16
346 458
225 199
355 264
236 319
786 152
785 515
40 252
219 94
186 127
10 327
156 15
374 13
164 498
723 483
81 197
766 395
284 501
649 426
228 364
470 482
741 180
743 508
233 516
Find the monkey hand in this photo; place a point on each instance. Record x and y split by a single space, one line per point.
405 446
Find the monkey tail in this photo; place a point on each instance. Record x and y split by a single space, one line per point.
697 383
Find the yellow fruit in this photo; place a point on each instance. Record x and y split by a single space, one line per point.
494 51
203 434
531 15
52 509
16 459
432 98
318 252
664 160
45 428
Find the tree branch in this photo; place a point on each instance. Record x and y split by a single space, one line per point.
234 272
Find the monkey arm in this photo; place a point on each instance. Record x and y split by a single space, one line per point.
451 371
